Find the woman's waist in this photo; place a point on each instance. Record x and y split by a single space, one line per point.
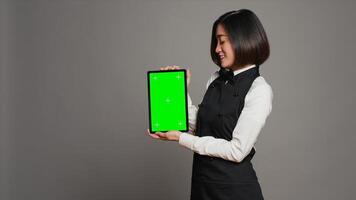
212 169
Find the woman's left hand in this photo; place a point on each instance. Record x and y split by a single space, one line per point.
170 135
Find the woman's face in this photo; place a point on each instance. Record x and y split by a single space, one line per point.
224 48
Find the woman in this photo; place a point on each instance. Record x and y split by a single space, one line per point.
233 111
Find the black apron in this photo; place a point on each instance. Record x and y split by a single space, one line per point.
215 178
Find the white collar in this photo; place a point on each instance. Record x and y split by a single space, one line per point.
243 69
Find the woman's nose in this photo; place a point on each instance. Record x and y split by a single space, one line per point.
218 48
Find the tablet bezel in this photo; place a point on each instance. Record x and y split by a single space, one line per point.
186 97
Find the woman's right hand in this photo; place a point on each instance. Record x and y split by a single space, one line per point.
173 67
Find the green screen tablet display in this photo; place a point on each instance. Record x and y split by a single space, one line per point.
167 99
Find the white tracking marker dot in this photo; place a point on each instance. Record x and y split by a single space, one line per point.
168 100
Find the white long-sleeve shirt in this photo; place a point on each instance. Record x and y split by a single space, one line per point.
258 105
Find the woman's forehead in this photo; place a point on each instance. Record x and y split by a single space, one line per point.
221 35
220 31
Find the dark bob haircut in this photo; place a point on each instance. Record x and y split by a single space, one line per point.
247 37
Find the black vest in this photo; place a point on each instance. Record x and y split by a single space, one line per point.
217 116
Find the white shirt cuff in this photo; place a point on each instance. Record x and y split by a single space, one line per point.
187 140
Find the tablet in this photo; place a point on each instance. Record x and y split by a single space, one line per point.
167 100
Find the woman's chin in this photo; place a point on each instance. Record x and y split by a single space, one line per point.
223 65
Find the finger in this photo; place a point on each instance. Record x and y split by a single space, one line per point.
152 135
162 135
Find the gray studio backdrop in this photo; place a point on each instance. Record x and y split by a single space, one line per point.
74 97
